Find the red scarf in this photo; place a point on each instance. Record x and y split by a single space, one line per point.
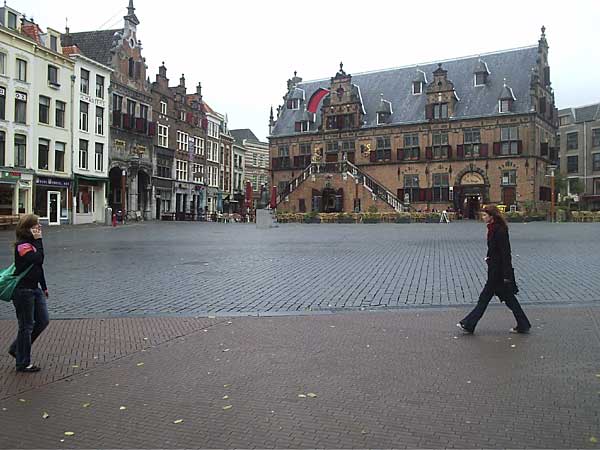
490 228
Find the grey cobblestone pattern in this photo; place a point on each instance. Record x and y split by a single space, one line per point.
229 269
382 380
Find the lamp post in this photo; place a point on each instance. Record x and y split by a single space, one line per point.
552 170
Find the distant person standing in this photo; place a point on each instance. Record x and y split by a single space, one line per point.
30 295
501 278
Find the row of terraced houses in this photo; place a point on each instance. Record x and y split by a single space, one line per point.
82 128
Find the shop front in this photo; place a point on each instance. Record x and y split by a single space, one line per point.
52 200
90 199
184 198
15 193
163 198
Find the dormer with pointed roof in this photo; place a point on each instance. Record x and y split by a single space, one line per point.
480 73
384 111
419 82
131 18
506 99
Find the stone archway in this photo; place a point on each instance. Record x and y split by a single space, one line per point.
471 188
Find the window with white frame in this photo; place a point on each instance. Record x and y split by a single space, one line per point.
84 85
83 154
99 120
417 87
59 156
99 157
99 86
181 170
2 63
200 146
182 116
213 130
163 108
163 136
182 141
197 172
21 70
83 116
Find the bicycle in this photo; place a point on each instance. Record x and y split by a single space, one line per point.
134 216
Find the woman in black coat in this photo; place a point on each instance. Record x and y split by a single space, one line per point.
501 276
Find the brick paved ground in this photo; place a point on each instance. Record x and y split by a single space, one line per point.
198 269
386 379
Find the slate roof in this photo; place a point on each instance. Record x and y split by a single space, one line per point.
243 134
396 86
96 44
587 113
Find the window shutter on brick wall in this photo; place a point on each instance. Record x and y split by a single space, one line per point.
449 152
497 148
400 155
428 153
460 151
297 126
372 156
429 194
152 129
520 147
422 195
483 150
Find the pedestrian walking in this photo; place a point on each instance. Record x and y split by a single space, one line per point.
31 293
501 276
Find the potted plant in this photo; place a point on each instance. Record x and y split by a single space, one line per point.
344 218
312 217
402 217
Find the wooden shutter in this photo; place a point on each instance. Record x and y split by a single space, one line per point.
544 149
275 163
519 147
460 151
497 148
138 70
152 129
340 122
429 194
483 150
429 112
449 151
400 155
205 124
289 104
297 126
428 153
373 156
400 194
422 195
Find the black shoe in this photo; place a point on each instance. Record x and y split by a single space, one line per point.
465 329
519 330
13 354
29 369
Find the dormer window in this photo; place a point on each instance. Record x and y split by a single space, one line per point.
505 105
293 104
12 20
480 79
440 111
302 126
54 43
418 82
382 118
417 87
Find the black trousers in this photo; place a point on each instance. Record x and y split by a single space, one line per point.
505 295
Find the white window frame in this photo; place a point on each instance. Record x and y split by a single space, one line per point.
475 84
181 170
304 126
98 158
182 141
58 144
163 138
182 116
295 104
3 60
87 155
100 121
163 108
18 72
420 83
501 109
84 117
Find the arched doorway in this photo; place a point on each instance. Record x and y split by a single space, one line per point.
470 192
332 200
115 192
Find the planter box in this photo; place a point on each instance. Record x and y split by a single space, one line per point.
312 220
402 220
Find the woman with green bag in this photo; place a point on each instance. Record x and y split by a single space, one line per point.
29 300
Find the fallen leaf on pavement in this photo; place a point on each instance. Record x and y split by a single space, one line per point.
22 400
140 364
311 395
227 407
225 397
513 346
225 350
178 421
123 408
301 395
69 433
593 440
226 385
45 415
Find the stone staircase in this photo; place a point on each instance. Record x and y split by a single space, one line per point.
377 189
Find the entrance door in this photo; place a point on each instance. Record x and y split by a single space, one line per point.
157 208
53 208
472 209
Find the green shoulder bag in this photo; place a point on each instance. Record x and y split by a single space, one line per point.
9 281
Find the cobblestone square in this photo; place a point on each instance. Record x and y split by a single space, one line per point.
228 269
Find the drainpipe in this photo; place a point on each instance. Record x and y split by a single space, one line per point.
74 194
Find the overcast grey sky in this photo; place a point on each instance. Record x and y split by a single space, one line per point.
243 51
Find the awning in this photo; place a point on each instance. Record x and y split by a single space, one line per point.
90 178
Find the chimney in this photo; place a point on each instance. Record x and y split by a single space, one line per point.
199 90
162 70
182 81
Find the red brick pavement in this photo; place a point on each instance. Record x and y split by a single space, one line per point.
396 379
69 347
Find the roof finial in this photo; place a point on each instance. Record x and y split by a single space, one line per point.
130 8
295 73
341 66
504 81
543 31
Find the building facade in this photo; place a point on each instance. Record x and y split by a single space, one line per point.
454 135
91 132
238 176
35 92
579 134
256 162
131 128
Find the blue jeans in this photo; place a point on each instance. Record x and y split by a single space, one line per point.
32 315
